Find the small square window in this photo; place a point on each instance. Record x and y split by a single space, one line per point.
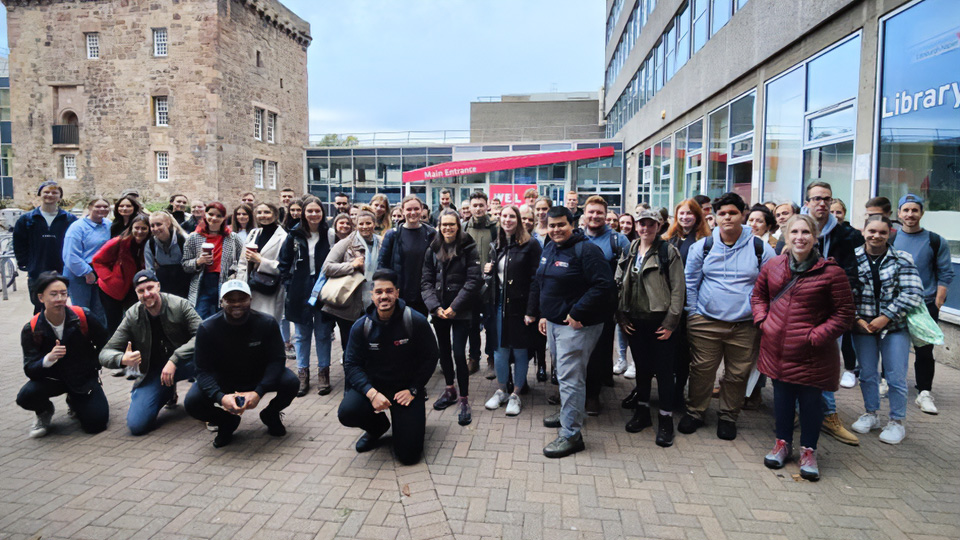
161 111
163 166
258 123
159 41
272 175
70 166
93 45
271 127
258 173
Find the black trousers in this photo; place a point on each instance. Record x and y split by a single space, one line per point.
32 294
199 406
924 363
484 317
92 409
681 365
114 309
343 326
785 398
409 423
600 366
654 357
458 351
848 352
539 350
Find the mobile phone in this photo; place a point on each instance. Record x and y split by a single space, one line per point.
240 400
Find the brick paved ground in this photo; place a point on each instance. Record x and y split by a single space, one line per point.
488 480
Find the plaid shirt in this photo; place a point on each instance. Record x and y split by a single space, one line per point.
900 291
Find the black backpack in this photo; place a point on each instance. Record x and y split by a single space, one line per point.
407 323
757 246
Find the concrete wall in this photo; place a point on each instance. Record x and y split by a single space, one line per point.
206 67
535 120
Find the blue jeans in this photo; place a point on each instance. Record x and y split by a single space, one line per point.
501 360
88 296
285 330
208 295
573 347
150 396
894 351
622 343
321 327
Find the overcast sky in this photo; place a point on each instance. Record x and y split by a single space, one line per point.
397 65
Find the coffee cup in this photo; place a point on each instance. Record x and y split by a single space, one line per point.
207 248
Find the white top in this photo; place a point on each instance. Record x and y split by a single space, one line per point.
311 250
49 217
501 266
58 330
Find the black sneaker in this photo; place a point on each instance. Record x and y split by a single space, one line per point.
726 430
665 431
274 422
630 402
563 447
688 424
225 431
552 421
592 406
640 420
553 399
369 441
465 416
446 399
541 373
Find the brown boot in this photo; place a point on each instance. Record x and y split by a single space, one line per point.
473 365
303 374
323 382
834 427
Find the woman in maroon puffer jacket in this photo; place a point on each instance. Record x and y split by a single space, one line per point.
803 304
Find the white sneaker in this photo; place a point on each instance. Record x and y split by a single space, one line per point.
884 388
513 405
498 399
620 366
893 433
848 379
40 426
631 372
866 423
925 402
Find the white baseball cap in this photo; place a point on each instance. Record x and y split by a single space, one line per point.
234 285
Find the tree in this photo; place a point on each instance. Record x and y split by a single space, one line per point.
333 139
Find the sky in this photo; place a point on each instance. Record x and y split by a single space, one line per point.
399 65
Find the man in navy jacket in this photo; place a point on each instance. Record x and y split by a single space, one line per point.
38 237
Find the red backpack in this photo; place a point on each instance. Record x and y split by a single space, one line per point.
84 329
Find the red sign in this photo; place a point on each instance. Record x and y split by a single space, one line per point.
510 194
477 166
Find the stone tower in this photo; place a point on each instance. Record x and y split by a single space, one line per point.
203 97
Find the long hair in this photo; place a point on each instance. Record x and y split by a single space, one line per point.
700 227
135 248
322 226
176 231
251 224
633 232
289 222
520 237
342 217
447 252
202 226
384 223
118 226
273 209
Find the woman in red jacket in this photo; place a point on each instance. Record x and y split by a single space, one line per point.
802 304
115 265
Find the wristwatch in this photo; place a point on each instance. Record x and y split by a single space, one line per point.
413 391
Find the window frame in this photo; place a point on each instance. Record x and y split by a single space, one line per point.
63 161
161 114
93 49
258 123
162 160
258 173
271 134
161 48
273 174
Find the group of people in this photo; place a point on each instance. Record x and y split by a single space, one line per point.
771 291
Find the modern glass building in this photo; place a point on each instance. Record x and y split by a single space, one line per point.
764 97
360 172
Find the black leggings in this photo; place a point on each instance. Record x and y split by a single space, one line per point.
785 398
343 326
600 365
409 423
92 409
923 365
114 309
461 329
658 358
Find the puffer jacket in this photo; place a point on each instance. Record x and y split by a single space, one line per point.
455 283
798 342
515 293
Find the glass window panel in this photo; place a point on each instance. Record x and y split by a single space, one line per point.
692 185
436 160
833 164
783 138
366 170
680 160
834 77
835 124
683 36
717 162
741 115
741 148
4 97
701 21
388 169
414 162
661 188
609 176
720 16
740 180
669 44
318 170
658 67
695 137
341 171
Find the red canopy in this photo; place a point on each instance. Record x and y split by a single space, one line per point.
477 166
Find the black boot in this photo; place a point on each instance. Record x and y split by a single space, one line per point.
640 420
541 368
665 431
553 375
630 402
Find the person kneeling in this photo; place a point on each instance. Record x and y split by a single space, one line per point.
391 354
60 348
240 357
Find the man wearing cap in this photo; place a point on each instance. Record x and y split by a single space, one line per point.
240 357
38 237
156 334
931 255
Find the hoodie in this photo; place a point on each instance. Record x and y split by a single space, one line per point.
574 280
719 285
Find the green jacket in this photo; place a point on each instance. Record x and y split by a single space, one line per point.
179 322
649 293
484 232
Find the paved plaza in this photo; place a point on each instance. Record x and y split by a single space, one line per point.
486 480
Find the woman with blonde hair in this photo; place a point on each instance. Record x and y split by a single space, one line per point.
163 254
381 210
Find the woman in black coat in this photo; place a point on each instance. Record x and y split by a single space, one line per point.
514 258
450 284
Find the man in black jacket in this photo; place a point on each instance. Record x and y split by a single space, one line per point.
575 291
390 356
445 204
239 356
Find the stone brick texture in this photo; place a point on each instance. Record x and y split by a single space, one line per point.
210 76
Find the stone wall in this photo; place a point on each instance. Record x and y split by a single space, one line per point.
205 75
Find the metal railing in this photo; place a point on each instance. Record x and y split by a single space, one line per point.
66 134
460 136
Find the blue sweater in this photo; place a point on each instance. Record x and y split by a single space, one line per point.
83 239
936 269
605 241
719 286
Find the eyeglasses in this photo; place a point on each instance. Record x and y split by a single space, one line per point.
820 199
